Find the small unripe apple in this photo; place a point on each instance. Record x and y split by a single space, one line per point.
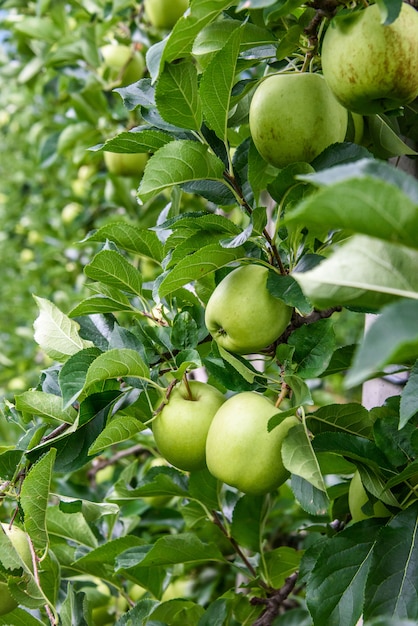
294 117
357 498
130 164
240 451
180 429
124 63
371 67
164 13
242 315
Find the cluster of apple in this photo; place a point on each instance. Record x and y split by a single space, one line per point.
126 65
367 68
198 427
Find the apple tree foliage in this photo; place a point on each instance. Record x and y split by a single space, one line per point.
115 537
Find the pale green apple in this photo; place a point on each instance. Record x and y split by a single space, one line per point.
242 315
164 13
124 63
126 164
19 541
180 429
294 117
240 451
371 67
357 498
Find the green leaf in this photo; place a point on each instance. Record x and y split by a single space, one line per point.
392 338
184 548
184 332
101 304
180 41
362 272
177 612
177 95
392 587
72 527
300 390
314 345
349 418
366 168
300 459
195 266
409 398
72 376
287 289
56 333
281 563
351 446
20 617
120 428
312 500
243 367
136 141
101 561
385 136
34 498
114 364
111 268
131 239
246 521
179 162
335 588
369 206
216 85
47 405
158 481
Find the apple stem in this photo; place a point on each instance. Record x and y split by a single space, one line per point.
283 393
188 389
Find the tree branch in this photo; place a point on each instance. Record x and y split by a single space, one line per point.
275 601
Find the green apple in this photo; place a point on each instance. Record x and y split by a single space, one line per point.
294 117
371 67
357 498
130 164
164 13
242 315
240 451
180 429
19 541
124 63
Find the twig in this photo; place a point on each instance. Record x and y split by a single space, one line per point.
275 601
301 320
237 189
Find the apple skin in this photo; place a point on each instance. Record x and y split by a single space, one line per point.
21 545
118 57
357 498
370 67
164 13
239 449
242 315
180 429
294 117
130 164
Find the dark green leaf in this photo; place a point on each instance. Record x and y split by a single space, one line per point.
336 585
392 587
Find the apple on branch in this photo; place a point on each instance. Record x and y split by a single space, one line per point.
180 429
294 117
369 66
242 315
240 451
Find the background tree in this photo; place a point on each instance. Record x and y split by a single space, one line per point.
133 182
